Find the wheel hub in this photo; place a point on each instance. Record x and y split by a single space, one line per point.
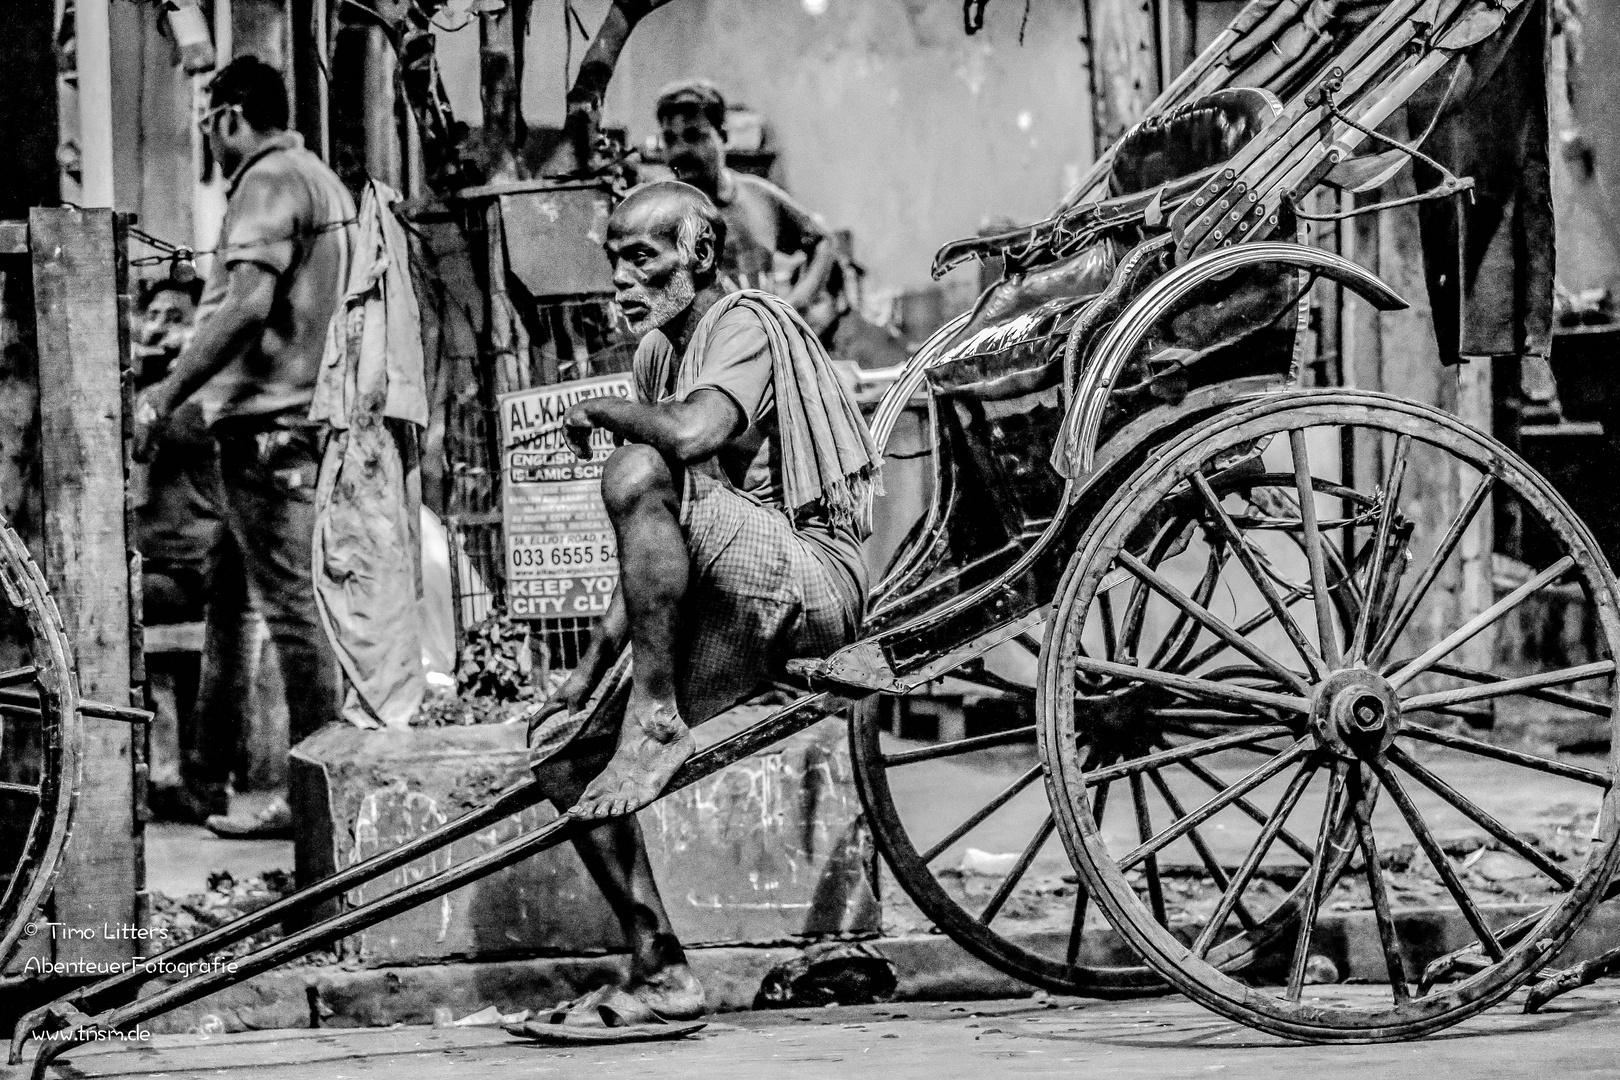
1355 713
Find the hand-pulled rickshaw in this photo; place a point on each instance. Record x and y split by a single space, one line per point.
1244 634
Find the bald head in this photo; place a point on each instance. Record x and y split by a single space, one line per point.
679 213
664 241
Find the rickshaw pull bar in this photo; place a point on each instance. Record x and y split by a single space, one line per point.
107 992
780 724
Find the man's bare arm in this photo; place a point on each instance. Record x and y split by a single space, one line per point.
685 431
250 292
814 278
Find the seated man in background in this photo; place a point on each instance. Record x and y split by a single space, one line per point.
179 532
739 530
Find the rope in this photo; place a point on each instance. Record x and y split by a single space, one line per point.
1450 183
179 252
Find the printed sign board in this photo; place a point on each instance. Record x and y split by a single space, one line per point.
561 561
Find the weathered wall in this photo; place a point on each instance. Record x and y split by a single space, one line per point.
1588 233
891 121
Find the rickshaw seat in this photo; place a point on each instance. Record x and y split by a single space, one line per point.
997 352
1198 135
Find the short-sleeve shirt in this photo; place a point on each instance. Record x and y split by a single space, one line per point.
762 220
738 364
289 213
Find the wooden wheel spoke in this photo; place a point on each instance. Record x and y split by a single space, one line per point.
1019 869
1326 634
1219 802
1210 622
1275 605
1502 753
1105 611
1386 522
1248 626
1464 633
1130 630
1183 633
1082 895
958 746
1269 831
1300 847
1361 807
7 788
1212 865
1481 817
1555 697
1505 687
1077 925
1189 686
1182 754
1144 830
1437 858
1203 716
1311 885
18 675
1431 570
1002 798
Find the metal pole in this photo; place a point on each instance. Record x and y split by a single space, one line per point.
93 43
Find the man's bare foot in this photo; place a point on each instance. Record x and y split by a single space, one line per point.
652 745
673 993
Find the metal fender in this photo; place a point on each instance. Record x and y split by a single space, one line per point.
1074 455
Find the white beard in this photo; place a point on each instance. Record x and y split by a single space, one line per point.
668 304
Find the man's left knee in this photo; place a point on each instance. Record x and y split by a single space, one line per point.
633 475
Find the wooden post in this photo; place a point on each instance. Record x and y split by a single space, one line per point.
1125 63
83 350
310 57
93 45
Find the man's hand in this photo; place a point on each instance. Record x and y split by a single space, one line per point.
148 423
569 697
577 428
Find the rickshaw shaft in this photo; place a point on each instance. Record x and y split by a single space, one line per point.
514 800
780 724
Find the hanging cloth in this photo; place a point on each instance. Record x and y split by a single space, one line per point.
371 391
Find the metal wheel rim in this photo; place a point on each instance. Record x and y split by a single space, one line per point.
918 881
60 739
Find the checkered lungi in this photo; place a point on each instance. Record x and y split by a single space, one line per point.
758 596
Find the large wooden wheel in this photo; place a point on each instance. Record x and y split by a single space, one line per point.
1012 916
39 742
1288 719
1026 919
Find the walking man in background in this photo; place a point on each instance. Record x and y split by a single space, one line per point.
764 225
277 276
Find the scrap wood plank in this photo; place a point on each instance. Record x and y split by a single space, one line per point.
82 341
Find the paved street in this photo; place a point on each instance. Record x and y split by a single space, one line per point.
1161 1039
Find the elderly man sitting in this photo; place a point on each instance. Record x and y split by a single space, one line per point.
739 495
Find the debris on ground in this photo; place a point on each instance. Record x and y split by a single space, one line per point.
831 973
226 900
489 1016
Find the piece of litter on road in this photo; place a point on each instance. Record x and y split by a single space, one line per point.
491 1015
998 863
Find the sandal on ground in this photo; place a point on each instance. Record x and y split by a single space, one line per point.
605 1015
